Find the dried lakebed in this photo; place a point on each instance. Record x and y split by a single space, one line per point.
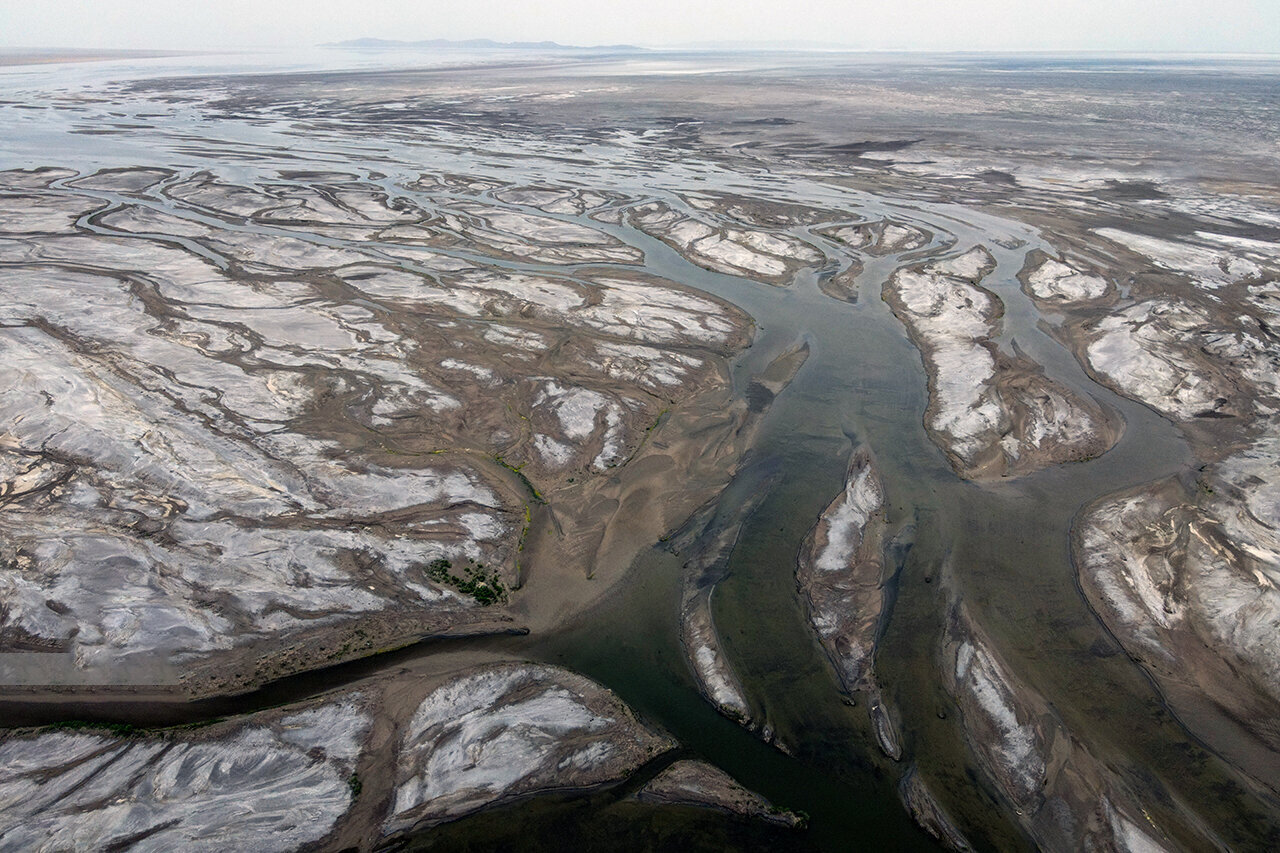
657 456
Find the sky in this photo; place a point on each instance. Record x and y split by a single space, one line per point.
1220 26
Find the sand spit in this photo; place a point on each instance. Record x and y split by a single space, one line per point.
706 541
841 576
1063 797
770 256
993 414
929 813
512 730
1186 579
842 284
277 781
715 674
698 784
377 760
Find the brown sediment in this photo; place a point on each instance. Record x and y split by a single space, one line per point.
698 784
540 418
351 759
1064 797
890 237
843 285
929 813
993 414
583 540
1187 595
706 541
578 734
1058 187
1180 570
766 254
841 575
1055 282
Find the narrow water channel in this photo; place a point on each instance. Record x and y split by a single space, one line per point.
1007 546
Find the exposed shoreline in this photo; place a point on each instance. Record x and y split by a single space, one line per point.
389 288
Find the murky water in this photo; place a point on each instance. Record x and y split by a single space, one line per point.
1007 544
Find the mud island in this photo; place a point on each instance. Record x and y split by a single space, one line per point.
613 454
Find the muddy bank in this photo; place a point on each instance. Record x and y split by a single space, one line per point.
698 784
1181 570
734 248
706 542
1065 799
994 414
416 278
249 437
929 813
841 574
1185 579
316 774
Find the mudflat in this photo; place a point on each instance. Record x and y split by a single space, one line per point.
823 447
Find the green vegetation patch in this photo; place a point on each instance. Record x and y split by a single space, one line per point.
117 729
528 484
484 588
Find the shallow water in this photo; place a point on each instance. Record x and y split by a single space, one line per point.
1007 544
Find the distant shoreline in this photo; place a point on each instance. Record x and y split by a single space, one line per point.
36 56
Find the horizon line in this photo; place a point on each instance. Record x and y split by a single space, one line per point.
729 46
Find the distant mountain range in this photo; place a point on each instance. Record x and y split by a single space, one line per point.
477 44
786 46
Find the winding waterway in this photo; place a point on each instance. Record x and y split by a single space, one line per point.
1005 545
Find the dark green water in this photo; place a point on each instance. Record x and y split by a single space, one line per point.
1008 548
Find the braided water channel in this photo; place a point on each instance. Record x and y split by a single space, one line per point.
1007 546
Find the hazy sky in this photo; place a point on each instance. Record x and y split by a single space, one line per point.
1181 25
